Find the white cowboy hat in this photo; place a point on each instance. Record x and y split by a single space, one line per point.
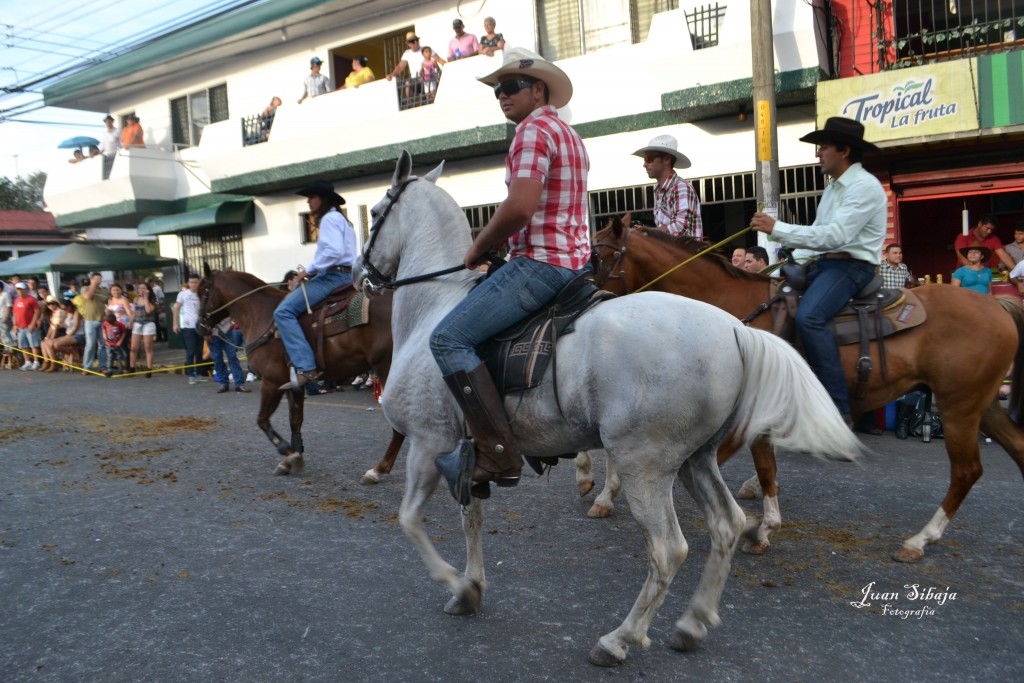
665 144
522 62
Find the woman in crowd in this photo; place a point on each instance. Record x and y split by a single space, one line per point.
74 335
143 326
975 275
57 316
491 42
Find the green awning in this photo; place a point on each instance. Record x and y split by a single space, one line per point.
231 212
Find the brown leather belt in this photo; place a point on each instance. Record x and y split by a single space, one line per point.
343 269
838 256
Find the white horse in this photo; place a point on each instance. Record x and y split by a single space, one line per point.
656 379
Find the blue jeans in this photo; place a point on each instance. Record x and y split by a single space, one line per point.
294 305
832 283
224 344
193 350
519 288
92 338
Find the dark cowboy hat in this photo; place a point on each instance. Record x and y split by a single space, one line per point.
986 253
323 189
839 130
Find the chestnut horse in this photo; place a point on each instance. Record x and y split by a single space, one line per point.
961 353
251 303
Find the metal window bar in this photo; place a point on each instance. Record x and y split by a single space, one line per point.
703 23
218 247
413 91
925 31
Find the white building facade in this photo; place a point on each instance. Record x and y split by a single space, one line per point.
218 188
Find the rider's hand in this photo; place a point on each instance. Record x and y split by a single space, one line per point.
762 222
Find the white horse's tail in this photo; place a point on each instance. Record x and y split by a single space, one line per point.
783 400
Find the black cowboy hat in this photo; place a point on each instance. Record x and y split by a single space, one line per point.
323 189
986 253
839 130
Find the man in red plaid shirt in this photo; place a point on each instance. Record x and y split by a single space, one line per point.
544 220
676 205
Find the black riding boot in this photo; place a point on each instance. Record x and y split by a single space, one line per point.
497 456
904 414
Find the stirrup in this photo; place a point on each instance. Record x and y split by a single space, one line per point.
457 469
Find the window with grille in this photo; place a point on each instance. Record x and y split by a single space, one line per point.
191 113
570 28
219 247
704 23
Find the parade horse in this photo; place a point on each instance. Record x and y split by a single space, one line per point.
657 380
961 353
251 303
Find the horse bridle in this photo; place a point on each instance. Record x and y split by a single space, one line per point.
377 281
617 259
204 320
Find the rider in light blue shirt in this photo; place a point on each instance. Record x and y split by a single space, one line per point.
331 268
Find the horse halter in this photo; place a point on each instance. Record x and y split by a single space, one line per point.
377 281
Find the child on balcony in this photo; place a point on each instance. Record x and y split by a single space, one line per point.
430 72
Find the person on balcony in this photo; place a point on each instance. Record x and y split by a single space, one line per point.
315 84
463 44
131 134
360 74
411 58
491 42
110 141
331 268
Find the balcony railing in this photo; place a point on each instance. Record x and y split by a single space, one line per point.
416 91
937 30
256 128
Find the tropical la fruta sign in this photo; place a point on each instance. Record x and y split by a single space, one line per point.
905 103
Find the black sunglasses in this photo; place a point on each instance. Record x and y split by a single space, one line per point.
511 87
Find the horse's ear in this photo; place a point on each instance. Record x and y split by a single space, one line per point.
435 174
402 169
206 270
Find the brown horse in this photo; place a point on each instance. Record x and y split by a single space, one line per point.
251 303
962 352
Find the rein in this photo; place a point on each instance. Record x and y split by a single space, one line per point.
694 257
376 279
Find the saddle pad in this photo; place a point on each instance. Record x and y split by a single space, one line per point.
519 356
358 310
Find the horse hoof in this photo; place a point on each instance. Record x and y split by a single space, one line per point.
597 510
371 477
746 493
601 657
283 469
586 487
296 462
908 555
466 604
756 548
684 642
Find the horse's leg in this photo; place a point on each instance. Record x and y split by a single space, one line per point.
293 461
725 522
649 491
373 475
750 488
961 434
605 502
584 472
997 424
270 398
467 589
755 538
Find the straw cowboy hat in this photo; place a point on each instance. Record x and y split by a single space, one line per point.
665 144
839 130
986 253
324 190
522 62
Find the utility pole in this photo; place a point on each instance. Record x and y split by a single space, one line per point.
766 140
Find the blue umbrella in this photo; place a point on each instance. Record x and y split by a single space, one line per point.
78 142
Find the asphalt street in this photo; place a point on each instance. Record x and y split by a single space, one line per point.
143 537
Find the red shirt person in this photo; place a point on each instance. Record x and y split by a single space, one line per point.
981 234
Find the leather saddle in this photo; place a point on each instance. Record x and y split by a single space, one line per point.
518 356
871 315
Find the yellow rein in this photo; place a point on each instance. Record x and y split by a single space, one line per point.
694 257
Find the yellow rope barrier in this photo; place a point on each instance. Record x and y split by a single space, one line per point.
693 258
122 374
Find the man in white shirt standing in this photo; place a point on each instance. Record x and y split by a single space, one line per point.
109 144
412 58
848 232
